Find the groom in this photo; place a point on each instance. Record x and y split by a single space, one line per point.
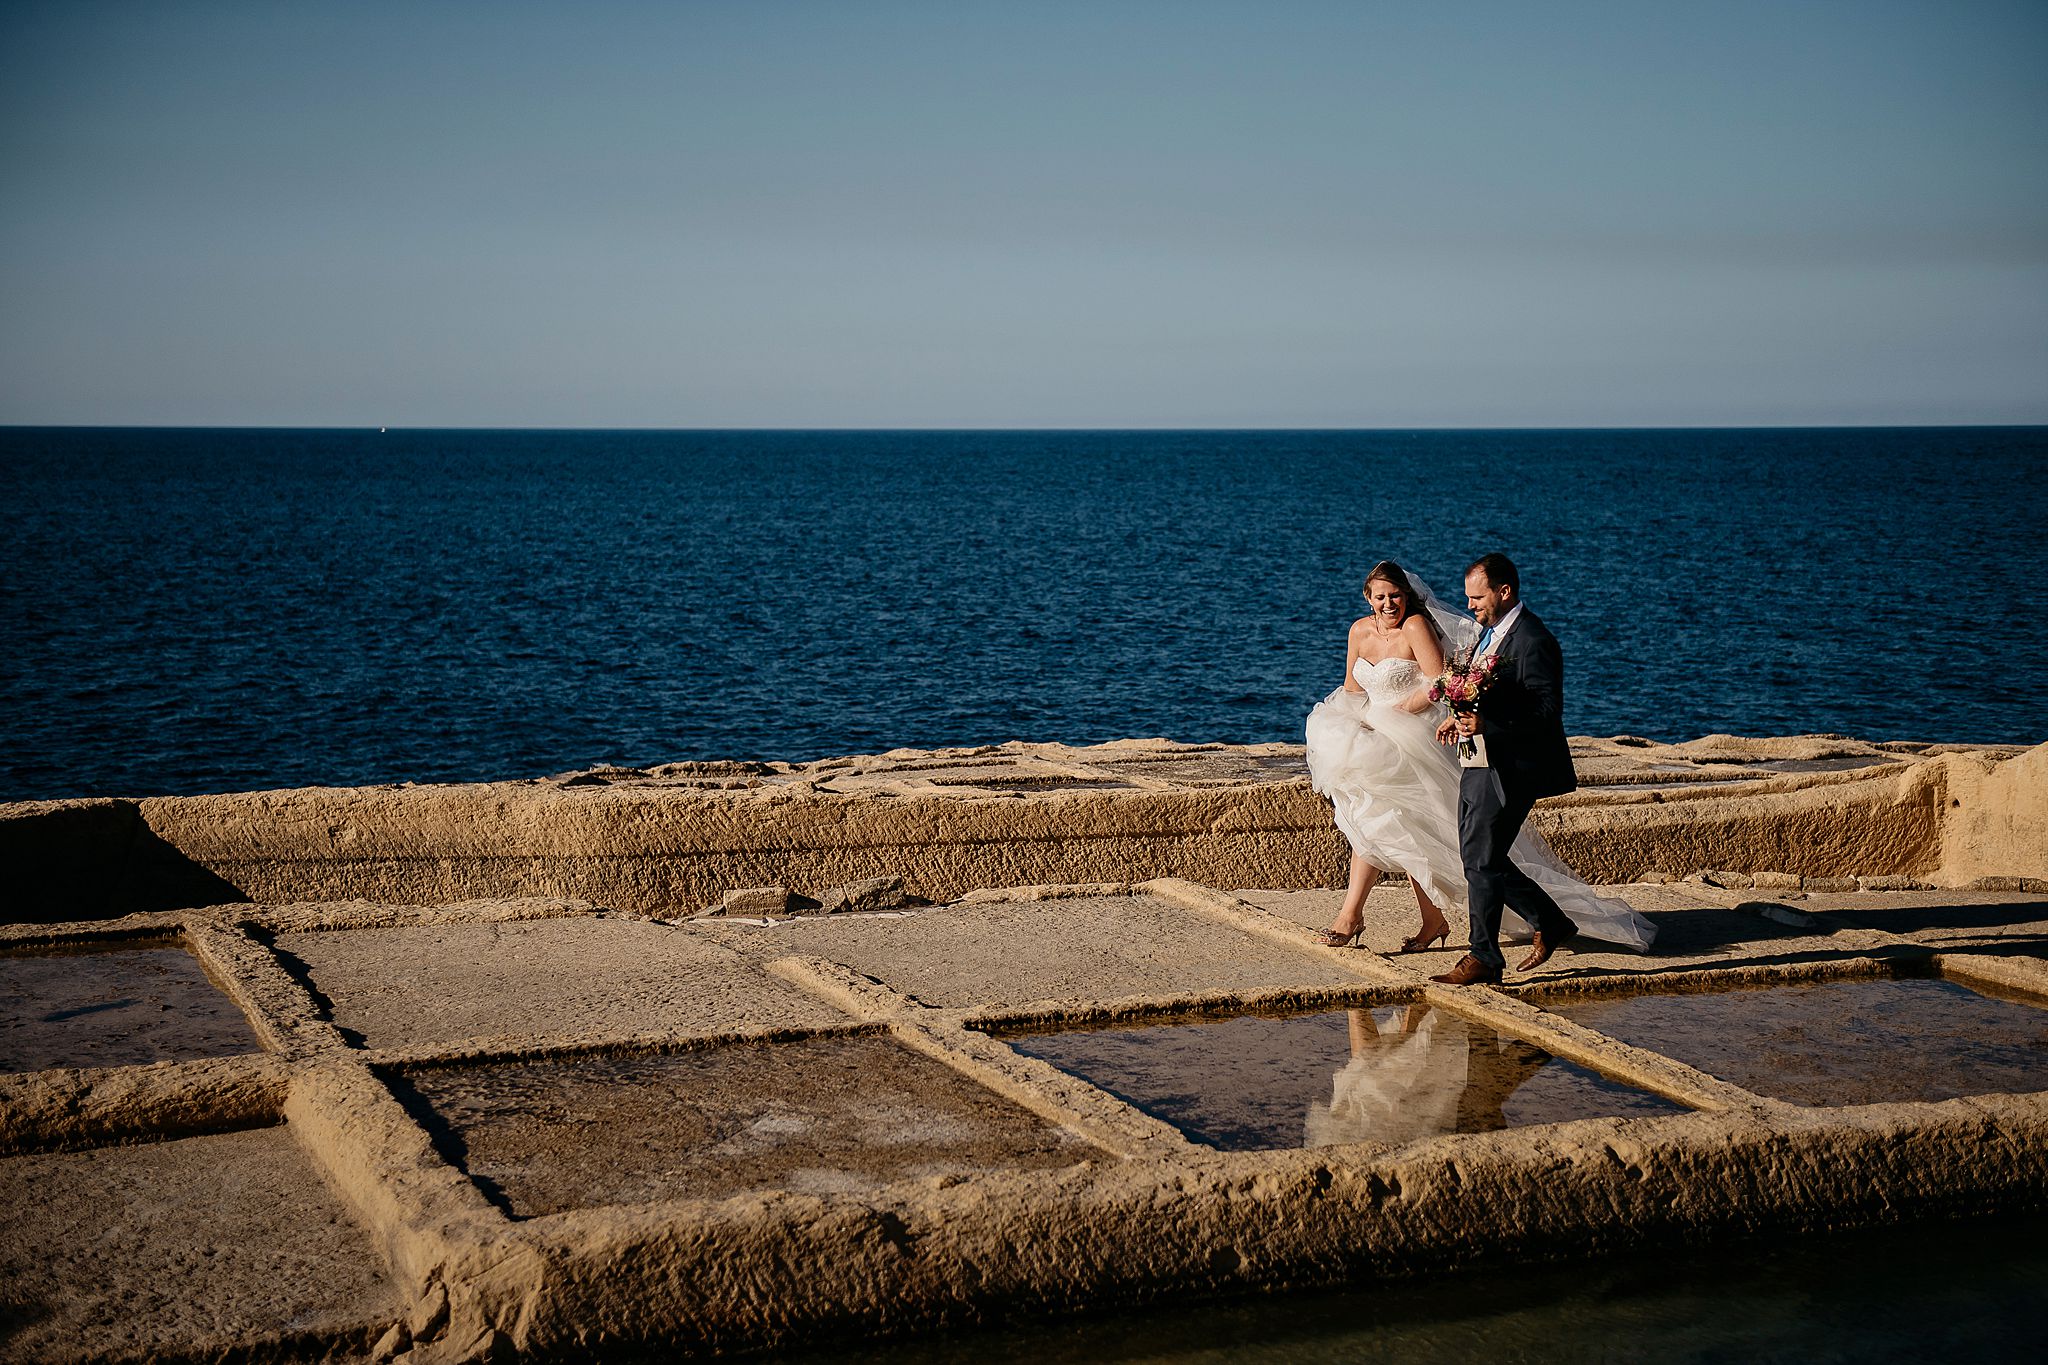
1526 757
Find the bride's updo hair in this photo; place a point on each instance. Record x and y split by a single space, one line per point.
1389 573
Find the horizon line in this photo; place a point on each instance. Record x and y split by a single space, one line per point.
937 430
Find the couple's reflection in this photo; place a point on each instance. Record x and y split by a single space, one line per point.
1416 1072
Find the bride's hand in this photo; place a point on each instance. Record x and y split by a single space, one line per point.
1447 731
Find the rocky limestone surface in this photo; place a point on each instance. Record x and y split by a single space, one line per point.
681 838
714 1057
542 1130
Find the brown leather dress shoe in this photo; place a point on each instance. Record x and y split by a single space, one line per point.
1544 946
1470 971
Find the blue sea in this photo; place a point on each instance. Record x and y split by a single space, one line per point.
190 610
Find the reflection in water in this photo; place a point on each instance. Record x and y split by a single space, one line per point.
1416 1072
1385 1076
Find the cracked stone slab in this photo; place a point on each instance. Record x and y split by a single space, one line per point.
1001 954
430 984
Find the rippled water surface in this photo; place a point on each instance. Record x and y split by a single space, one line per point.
204 610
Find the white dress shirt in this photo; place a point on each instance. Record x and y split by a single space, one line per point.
1500 631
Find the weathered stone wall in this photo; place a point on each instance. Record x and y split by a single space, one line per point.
654 849
672 840
1994 817
1886 822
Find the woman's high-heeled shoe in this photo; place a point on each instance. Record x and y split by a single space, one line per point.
1419 943
1333 938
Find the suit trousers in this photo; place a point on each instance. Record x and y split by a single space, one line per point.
1488 821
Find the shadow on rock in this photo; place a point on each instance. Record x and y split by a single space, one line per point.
1913 919
97 859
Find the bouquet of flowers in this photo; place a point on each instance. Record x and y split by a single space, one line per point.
1460 687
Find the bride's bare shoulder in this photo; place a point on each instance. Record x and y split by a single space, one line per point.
1425 645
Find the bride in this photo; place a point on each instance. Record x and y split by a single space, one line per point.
1373 751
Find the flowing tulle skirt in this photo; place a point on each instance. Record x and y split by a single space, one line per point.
1395 792
1407 1088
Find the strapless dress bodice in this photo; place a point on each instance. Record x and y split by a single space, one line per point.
1389 680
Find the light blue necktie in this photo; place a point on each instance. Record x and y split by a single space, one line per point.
1485 639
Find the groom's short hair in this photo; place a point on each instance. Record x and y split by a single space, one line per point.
1499 571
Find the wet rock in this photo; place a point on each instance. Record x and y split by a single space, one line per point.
875 893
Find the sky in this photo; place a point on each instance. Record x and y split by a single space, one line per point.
1046 214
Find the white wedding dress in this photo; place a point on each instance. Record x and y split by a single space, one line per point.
1395 790
1404 1089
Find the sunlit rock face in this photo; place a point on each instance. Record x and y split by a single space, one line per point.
679 838
883 1090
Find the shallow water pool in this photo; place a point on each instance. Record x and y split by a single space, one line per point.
1839 1042
1391 1075
118 1004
